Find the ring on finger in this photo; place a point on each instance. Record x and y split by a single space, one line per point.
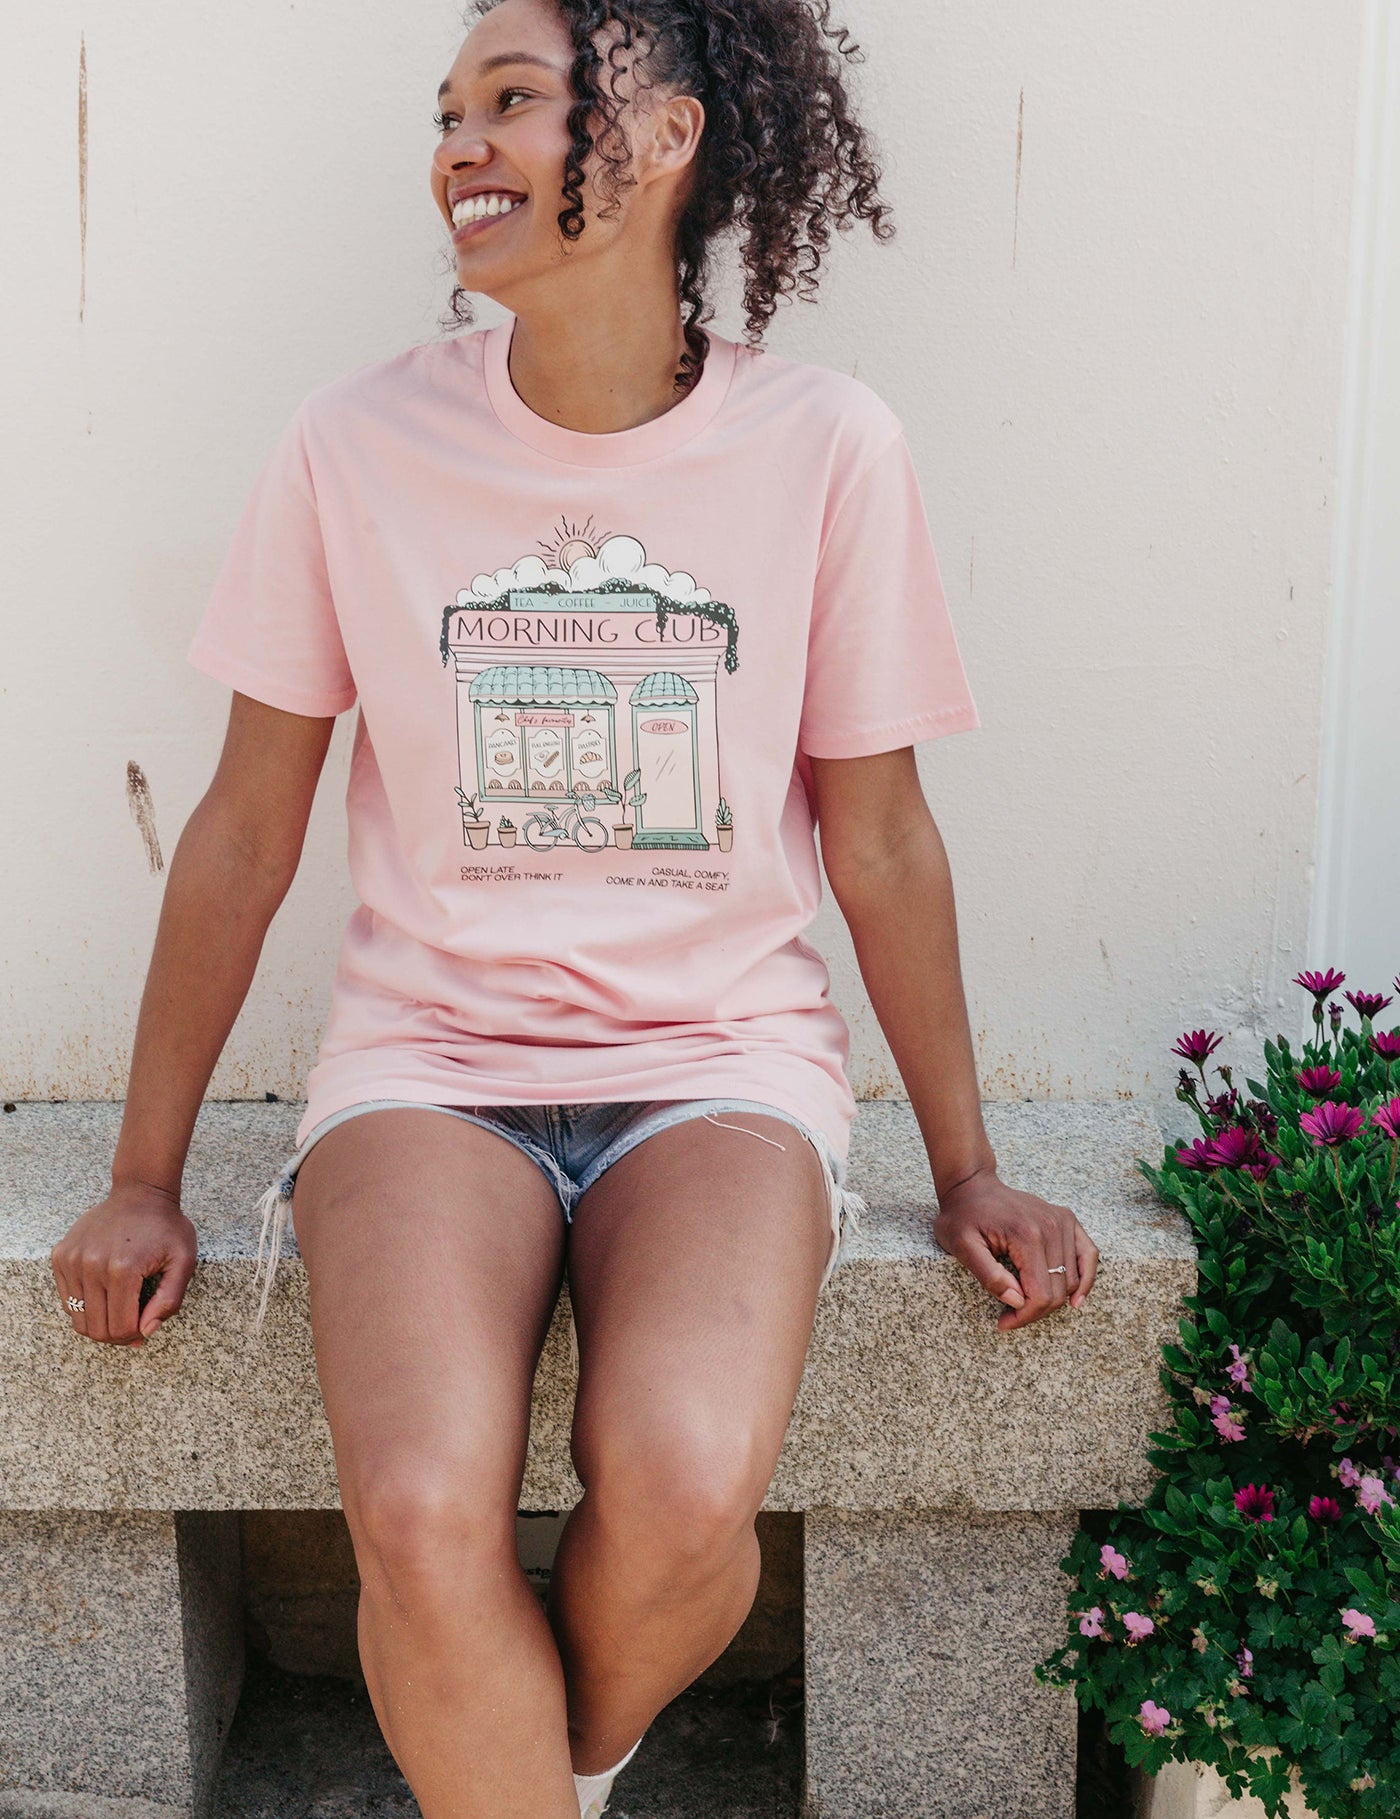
1057 1269
77 1303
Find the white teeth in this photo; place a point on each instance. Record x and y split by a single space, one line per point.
476 208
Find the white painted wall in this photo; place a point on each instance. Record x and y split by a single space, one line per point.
1356 908
1112 322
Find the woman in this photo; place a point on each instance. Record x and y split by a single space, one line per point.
626 607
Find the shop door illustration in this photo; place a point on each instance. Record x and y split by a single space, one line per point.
667 753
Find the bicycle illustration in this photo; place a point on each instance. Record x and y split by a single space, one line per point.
547 827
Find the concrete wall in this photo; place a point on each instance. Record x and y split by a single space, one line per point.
1112 322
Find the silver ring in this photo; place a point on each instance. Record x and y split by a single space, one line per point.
1057 1269
76 1303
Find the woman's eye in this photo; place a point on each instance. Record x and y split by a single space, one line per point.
505 93
440 121
445 122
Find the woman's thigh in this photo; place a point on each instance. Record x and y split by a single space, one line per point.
434 1252
695 1264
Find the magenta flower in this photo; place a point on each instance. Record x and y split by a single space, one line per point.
1386 1044
1255 1502
1238 1372
1366 1004
1197 1046
1244 1661
1386 1119
1319 1081
1324 1509
1331 1122
1200 1154
1263 1167
1371 1493
1139 1628
1154 1718
1091 1623
1237 1147
1320 984
1349 1475
1358 1623
1112 1561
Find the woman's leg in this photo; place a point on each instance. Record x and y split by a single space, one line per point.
694 1268
434 1251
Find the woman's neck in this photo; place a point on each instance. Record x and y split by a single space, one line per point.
599 371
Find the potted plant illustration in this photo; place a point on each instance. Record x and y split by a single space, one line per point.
636 796
505 831
724 825
474 825
1240 1631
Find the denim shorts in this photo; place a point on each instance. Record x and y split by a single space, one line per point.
572 1145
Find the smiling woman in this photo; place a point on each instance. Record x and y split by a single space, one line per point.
674 600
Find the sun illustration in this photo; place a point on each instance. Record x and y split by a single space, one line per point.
571 542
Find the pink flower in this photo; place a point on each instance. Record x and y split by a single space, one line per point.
1386 1044
1358 1623
1244 1661
1196 1045
1320 984
1237 1147
1154 1718
1200 1154
1319 1081
1386 1119
1113 1561
1225 1424
1348 1474
1238 1372
1371 1493
1324 1509
1366 1004
1331 1122
1256 1502
1091 1623
1139 1628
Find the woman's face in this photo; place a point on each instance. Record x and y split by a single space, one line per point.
503 113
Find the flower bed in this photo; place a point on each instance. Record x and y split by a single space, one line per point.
1247 1616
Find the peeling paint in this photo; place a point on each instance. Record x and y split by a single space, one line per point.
138 798
82 174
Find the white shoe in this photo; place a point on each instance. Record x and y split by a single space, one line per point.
594 1791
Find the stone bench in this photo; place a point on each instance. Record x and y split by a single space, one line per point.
941 1466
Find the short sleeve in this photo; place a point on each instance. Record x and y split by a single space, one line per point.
269 628
883 668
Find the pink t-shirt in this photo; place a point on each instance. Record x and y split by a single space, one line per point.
589 670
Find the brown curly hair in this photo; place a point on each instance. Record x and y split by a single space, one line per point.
782 156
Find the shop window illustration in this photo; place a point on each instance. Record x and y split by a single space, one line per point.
587 691
543 731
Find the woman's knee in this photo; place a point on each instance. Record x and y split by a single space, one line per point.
418 1525
681 1494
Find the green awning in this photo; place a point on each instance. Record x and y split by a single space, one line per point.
663 688
539 684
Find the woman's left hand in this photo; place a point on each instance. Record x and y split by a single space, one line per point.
982 1220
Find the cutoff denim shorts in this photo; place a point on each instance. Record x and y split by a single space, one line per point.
572 1145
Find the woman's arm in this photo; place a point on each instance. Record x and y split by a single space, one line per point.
231 868
888 869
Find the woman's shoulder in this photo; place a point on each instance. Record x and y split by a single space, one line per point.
846 412
379 386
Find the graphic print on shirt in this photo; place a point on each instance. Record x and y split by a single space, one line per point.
587 686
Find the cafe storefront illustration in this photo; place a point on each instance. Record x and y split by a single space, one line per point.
565 695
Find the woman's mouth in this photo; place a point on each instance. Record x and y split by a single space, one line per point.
474 215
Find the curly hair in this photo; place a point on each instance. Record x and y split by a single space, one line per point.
782 157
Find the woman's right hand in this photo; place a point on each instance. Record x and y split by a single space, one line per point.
105 1257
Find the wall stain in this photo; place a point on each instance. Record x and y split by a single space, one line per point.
82 175
138 800
1020 141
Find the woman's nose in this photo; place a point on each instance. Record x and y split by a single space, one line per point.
459 149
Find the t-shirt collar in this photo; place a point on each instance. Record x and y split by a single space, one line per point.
616 448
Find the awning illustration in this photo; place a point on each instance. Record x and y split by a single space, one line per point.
544 685
663 688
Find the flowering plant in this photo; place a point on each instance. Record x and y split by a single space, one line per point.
1248 1614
